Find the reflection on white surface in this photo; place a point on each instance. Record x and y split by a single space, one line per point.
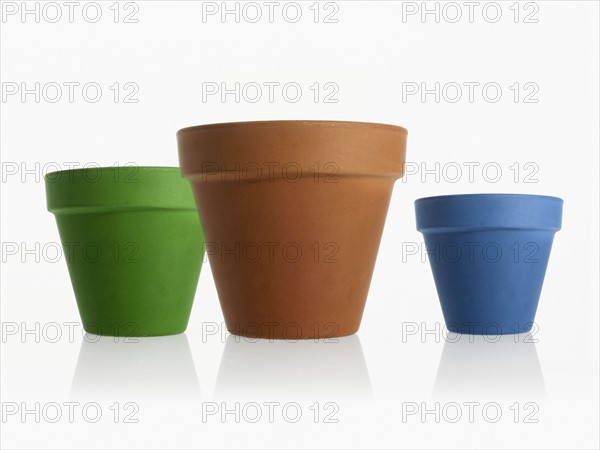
478 366
328 369
135 367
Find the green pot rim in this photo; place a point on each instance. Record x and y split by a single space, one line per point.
122 188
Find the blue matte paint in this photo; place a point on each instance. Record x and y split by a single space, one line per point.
488 254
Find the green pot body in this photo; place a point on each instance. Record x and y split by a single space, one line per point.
133 244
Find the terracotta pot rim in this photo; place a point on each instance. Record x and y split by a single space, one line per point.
305 123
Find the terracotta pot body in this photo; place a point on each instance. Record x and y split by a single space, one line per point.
293 212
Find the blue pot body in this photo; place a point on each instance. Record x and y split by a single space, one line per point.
488 254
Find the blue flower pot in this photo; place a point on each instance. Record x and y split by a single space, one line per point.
488 254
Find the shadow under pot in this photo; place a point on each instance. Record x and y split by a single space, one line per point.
488 254
293 213
133 244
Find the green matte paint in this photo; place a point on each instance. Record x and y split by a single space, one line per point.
133 244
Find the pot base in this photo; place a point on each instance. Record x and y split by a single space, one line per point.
291 331
125 330
489 329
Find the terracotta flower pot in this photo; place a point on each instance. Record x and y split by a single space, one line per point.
133 245
293 213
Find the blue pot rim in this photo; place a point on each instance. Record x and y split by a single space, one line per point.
477 212
489 196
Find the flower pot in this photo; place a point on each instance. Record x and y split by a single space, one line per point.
133 245
293 213
488 254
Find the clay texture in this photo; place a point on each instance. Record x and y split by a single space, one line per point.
293 213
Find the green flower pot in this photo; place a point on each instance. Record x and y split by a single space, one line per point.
133 244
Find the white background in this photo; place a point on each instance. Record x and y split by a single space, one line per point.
374 55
